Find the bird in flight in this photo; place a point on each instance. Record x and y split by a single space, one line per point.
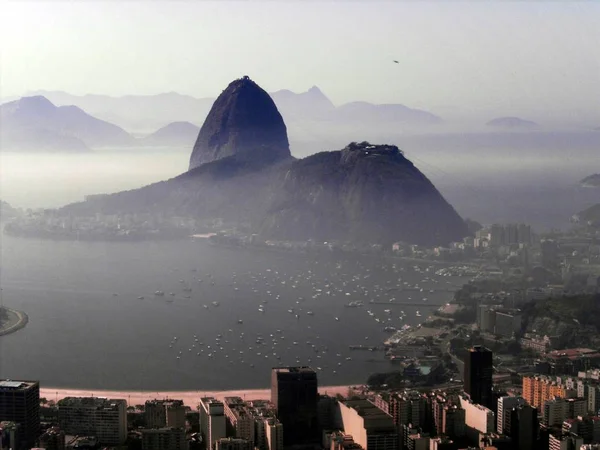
396 62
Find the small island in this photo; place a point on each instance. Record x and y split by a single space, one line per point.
11 320
591 181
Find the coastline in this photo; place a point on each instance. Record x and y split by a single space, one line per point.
19 320
190 398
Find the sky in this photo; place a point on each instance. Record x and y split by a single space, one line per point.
515 58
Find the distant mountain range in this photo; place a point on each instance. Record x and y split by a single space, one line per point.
144 113
36 124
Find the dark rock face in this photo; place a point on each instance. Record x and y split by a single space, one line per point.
243 122
364 192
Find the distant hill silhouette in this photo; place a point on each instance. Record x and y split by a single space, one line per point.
35 123
149 112
175 134
512 123
591 180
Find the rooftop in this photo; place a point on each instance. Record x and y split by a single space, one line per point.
210 400
365 408
16 384
90 402
298 369
479 349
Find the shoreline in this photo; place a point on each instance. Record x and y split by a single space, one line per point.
14 325
190 398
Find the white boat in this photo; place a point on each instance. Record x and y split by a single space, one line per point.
215 303
159 293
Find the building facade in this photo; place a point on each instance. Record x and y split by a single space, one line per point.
371 428
106 419
212 421
294 393
478 374
164 439
20 403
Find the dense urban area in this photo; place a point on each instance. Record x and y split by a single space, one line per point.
512 362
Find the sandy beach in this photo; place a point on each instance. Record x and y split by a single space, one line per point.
190 398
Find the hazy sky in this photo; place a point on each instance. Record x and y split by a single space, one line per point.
512 58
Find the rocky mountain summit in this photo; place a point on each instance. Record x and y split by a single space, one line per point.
362 192
241 172
243 122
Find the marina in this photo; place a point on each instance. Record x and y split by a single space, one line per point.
197 306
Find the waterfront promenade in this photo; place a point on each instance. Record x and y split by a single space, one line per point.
14 321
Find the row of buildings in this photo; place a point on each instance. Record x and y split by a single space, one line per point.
554 413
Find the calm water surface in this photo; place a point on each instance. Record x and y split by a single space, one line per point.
81 335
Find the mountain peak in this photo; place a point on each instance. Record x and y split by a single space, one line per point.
243 122
35 103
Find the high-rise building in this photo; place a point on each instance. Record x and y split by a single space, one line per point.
478 376
503 416
10 436
175 412
20 403
212 421
164 414
274 434
408 408
106 419
523 427
537 390
240 421
164 439
477 416
370 427
564 442
53 439
295 395
592 393
155 414
453 421
524 233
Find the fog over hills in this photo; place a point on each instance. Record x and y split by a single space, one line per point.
511 123
241 171
35 123
178 134
145 113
